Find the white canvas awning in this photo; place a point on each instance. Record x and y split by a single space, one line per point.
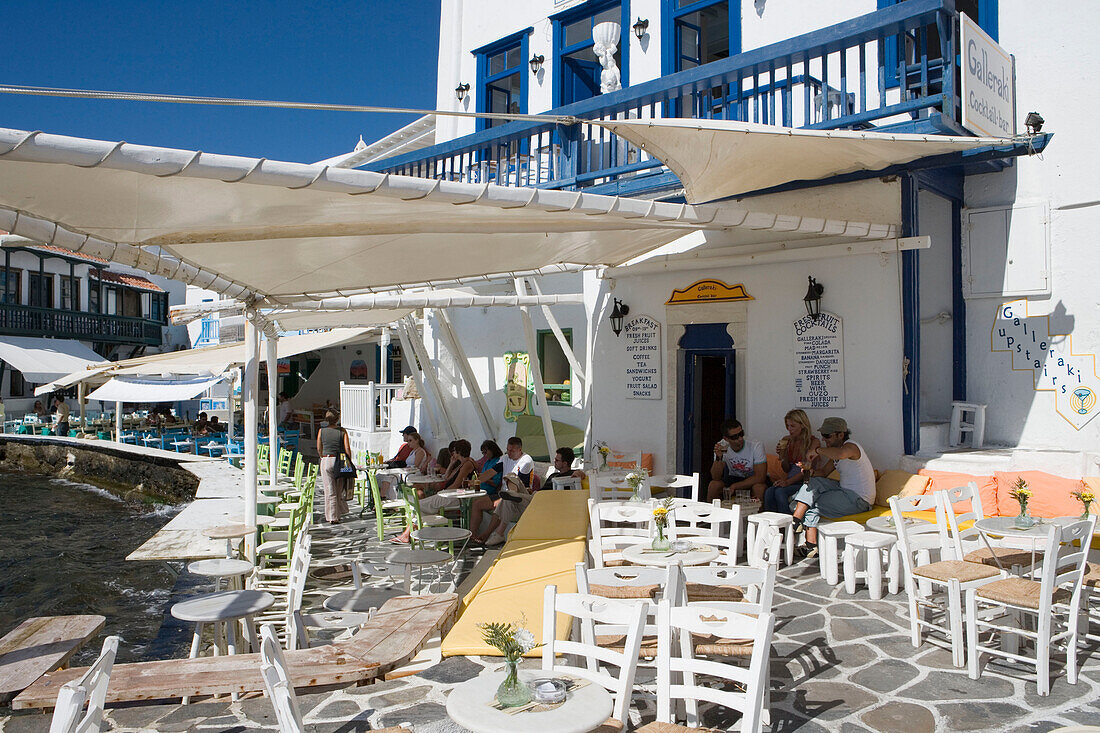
137 389
716 159
211 360
287 231
43 360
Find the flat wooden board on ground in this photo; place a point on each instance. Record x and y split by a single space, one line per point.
39 645
391 637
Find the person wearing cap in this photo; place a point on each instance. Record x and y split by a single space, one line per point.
406 448
829 498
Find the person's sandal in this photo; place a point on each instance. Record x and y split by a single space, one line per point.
806 551
799 526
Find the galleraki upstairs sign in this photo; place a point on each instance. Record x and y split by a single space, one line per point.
988 83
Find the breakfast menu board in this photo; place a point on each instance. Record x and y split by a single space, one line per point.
643 358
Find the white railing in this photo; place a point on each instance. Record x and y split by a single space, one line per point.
367 406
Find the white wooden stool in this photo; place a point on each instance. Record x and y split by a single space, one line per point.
864 553
776 519
829 537
967 417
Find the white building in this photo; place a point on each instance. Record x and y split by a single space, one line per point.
920 328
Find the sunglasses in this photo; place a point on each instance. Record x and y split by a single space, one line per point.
736 436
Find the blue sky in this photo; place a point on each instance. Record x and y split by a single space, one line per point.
370 52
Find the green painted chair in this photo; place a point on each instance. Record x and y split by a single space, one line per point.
274 554
286 461
390 512
415 517
262 453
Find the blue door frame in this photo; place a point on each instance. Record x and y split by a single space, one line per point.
703 340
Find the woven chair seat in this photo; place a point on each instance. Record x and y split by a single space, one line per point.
701 592
1019 592
617 643
658 727
625 591
717 647
964 572
1092 575
1008 556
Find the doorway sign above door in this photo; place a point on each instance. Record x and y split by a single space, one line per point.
643 352
708 291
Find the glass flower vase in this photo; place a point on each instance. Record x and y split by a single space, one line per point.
660 542
1085 514
512 692
1024 520
636 493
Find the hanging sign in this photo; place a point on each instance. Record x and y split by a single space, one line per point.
709 291
643 353
988 83
519 391
819 361
1051 360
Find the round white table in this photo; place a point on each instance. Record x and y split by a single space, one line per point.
226 607
1005 528
420 479
232 570
584 708
640 554
885 523
409 557
466 498
361 599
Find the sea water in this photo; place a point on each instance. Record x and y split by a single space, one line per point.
63 548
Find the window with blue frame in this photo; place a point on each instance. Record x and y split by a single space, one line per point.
502 83
576 68
702 31
917 45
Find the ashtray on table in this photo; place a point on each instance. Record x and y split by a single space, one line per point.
548 690
680 546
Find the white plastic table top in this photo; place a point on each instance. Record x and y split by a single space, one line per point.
461 493
885 523
229 531
223 606
640 554
220 568
469 705
411 556
419 479
1006 527
362 599
441 534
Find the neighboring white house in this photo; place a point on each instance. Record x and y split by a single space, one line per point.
909 332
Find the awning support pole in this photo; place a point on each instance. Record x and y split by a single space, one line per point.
411 344
271 354
80 389
487 422
595 317
230 421
251 442
536 372
118 422
566 347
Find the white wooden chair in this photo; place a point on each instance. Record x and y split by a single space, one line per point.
967 544
766 548
1054 600
709 524
678 663
593 662
605 487
746 589
934 589
606 520
276 678
69 715
675 482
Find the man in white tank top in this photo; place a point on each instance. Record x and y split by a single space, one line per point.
825 497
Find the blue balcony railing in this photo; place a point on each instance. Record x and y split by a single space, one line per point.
842 76
26 320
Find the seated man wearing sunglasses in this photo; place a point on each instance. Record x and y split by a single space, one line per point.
738 464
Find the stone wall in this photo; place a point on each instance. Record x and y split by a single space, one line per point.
132 476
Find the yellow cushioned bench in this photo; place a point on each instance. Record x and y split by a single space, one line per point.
543 548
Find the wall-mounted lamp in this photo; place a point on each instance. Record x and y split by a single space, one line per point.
536 63
460 91
640 27
619 312
1034 123
812 299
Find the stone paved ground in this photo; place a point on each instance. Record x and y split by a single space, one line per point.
840 663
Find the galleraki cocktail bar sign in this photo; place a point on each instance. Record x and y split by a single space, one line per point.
988 83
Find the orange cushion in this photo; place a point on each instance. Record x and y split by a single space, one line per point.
775 468
987 489
619 459
1050 494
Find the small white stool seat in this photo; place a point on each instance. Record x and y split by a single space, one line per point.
230 569
967 417
864 553
778 520
829 537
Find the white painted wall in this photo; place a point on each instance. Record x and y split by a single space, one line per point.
1053 52
872 356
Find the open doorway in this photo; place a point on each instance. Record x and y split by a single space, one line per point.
708 367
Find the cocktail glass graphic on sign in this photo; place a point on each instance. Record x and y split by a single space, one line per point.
1051 360
518 391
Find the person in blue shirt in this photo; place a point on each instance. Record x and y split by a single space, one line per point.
490 478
